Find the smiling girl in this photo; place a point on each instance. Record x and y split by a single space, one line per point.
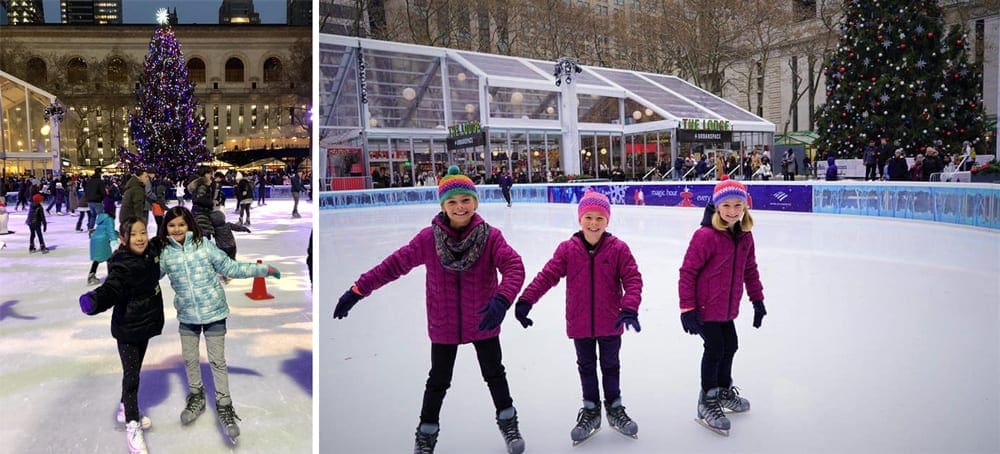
193 265
720 260
133 289
603 292
465 303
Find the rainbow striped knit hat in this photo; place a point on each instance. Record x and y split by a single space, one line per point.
728 189
455 183
594 201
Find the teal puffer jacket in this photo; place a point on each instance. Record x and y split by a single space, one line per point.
199 297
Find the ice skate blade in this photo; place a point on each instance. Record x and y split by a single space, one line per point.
634 437
589 436
724 433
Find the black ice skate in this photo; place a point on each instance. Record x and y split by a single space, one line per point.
588 422
426 439
194 408
710 412
730 400
228 418
507 422
619 420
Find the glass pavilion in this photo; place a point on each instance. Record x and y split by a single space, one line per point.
389 107
29 136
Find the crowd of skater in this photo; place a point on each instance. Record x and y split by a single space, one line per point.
474 276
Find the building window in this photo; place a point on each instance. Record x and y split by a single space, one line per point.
804 9
117 70
76 71
37 72
272 70
234 70
196 70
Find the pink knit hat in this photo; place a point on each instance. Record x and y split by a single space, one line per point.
594 201
728 189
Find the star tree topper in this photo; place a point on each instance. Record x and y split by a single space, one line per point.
162 17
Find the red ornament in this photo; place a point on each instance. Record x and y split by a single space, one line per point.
930 34
902 46
959 42
873 78
842 69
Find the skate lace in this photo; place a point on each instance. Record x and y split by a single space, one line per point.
617 416
425 443
588 418
509 429
714 408
730 398
227 415
195 402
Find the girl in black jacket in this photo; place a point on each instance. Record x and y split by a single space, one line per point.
133 290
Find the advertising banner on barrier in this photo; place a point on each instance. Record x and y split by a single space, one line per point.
769 197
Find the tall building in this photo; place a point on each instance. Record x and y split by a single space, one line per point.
238 12
298 12
22 12
96 12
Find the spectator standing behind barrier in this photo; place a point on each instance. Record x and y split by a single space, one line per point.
831 169
883 156
917 170
932 164
870 160
897 167
788 165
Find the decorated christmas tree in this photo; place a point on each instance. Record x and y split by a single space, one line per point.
893 75
166 129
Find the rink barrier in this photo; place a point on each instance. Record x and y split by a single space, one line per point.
971 204
281 191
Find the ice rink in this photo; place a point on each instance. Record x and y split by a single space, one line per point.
881 337
60 378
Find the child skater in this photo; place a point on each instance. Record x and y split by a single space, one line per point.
465 303
37 224
719 261
603 292
192 263
133 290
101 238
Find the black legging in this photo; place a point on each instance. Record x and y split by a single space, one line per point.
131 354
93 267
244 209
717 360
443 364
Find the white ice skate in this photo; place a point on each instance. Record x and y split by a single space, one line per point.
133 435
143 419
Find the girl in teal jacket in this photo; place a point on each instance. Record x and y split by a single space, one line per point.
193 265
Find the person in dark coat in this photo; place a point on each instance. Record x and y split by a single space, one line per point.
932 164
134 198
93 193
898 167
244 196
203 200
36 223
831 169
297 188
261 188
506 182
133 290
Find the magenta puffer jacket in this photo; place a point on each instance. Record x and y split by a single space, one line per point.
453 298
598 287
714 271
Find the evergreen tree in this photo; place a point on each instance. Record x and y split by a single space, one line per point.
166 129
892 76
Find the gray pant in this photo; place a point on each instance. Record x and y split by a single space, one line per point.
215 344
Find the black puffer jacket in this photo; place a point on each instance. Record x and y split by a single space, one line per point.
133 289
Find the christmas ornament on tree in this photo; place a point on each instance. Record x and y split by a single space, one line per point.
166 128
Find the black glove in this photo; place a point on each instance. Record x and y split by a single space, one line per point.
630 318
691 321
521 310
758 313
347 301
493 313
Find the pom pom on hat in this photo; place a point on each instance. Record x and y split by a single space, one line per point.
594 201
455 183
37 198
727 189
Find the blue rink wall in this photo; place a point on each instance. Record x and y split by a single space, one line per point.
969 204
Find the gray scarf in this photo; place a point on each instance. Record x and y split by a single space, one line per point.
460 254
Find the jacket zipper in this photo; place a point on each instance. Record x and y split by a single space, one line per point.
732 276
593 309
458 305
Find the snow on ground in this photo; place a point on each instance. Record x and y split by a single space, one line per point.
881 337
60 374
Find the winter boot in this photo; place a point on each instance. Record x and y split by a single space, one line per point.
44 250
228 418
588 422
133 435
93 280
143 420
620 421
730 399
194 408
710 412
507 422
426 438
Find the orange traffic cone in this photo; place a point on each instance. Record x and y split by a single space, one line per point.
259 289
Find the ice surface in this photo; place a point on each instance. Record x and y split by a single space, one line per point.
60 377
881 337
